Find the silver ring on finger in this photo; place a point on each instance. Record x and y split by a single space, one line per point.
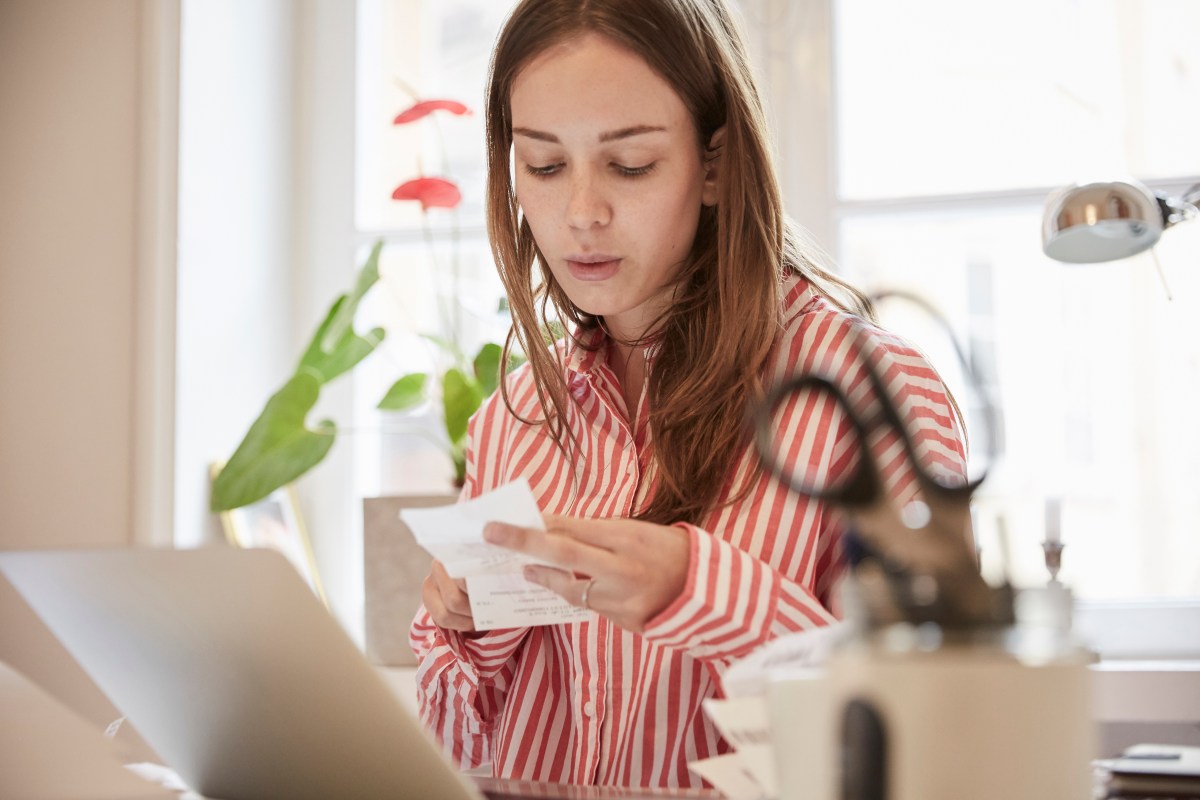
583 598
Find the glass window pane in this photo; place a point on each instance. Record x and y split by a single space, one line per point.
941 96
410 49
1096 373
445 289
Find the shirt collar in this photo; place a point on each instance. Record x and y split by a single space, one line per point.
585 355
584 352
798 293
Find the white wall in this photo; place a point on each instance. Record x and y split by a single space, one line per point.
68 199
113 402
82 142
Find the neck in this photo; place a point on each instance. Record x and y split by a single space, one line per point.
628 363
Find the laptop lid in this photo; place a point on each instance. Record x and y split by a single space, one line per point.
231 668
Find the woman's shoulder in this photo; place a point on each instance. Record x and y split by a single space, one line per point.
819 336
824 340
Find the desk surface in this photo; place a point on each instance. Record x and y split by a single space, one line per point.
496 789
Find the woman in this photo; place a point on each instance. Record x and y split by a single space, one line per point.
632 196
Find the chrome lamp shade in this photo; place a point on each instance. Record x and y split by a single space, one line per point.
1094 222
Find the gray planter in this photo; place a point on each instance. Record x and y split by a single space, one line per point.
394 566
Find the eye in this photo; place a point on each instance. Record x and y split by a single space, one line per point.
543 172
634 172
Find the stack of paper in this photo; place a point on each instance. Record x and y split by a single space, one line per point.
748 773
743 719
1157 770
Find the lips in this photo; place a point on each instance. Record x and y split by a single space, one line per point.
595 267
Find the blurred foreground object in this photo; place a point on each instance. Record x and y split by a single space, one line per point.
943 687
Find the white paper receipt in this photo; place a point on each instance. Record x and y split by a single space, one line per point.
500 596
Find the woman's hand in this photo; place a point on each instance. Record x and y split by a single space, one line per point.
446 600
627 570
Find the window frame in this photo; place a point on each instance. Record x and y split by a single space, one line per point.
799 85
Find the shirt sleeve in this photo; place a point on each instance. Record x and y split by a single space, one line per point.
732 604
462 678
733 601
461 684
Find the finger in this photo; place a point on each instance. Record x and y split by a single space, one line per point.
619 536
565 584
439 571
452 592
554 549
443 617
600 533
444 576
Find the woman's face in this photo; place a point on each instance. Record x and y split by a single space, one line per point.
610 177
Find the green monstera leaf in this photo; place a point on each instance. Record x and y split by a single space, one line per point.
405 393
278 448
487 368
461 397
346 350
341 319
335 347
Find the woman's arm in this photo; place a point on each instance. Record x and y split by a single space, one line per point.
720 594
678 585
735 602
462 675
462 679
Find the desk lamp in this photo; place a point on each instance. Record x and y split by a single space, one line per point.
1089 223
1094 222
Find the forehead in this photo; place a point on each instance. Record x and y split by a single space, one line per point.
592 83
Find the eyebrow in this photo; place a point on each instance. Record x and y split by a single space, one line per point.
607 136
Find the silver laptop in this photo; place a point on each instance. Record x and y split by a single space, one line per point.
230 667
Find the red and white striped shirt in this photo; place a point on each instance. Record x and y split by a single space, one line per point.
591 703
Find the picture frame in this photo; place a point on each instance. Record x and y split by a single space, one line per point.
275 523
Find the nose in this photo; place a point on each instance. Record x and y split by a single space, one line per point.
587 205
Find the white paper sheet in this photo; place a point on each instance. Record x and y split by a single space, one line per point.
746 725
500 596
748 677
730 777
510 601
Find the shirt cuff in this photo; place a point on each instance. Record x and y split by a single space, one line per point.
727 607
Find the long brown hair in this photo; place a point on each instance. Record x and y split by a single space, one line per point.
726 314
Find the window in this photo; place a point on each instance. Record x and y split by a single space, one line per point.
436 268
918 143
943 160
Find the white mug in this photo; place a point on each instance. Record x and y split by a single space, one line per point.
802 733
956 722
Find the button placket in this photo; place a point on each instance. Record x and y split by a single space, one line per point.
593 700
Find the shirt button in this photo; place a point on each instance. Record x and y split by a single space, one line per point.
589 709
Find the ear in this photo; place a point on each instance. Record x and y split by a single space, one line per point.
712 165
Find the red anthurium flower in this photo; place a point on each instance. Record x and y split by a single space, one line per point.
430 192
426 107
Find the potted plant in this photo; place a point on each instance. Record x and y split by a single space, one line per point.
280 445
